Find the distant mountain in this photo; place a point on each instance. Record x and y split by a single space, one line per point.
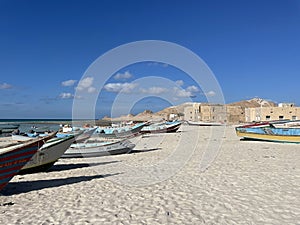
174 109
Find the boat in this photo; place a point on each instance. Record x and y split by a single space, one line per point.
47 155
273 123
97 149
120 132
288 124
202 123
165 127
8 128
14 155
80 134
269 133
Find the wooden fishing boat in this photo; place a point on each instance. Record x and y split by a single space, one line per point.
202 123
8 128
14 156
166 127
287 124
96 149
80 135
273 123
47 155
120 132
291 135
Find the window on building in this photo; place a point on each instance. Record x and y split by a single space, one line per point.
281 117
268 117
294 117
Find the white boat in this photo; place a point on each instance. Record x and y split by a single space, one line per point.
287 124
202 123
47 155
165 127
96 149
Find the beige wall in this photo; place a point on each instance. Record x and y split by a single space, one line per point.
235 114
205 112
192 112
272 113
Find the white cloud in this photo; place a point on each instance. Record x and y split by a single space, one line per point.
179 82
210 93
66 96
91 90
86 84
182 93
68 83
117 87
5 86
192 88
154 90
123 76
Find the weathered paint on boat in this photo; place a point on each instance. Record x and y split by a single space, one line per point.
13 158
98 149
271 134
47 155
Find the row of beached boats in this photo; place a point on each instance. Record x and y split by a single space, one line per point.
35 152
30 152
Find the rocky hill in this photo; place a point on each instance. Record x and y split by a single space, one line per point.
179 109
253 103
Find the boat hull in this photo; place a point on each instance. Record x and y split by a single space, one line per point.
13 158
269 137
191 123
168 129
120 147
47 155
120 132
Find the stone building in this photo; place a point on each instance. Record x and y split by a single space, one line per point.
235 114
281 112
205 112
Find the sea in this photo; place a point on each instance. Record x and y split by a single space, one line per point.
39 125
26 125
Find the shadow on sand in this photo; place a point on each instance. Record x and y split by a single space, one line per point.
27 186
145 150
257 140
61 167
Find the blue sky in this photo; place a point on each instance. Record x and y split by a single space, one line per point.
252 47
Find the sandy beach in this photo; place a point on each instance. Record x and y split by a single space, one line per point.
162 182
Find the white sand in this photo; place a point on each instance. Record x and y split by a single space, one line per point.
248 183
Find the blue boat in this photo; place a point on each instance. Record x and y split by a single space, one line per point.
120 132
269 133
